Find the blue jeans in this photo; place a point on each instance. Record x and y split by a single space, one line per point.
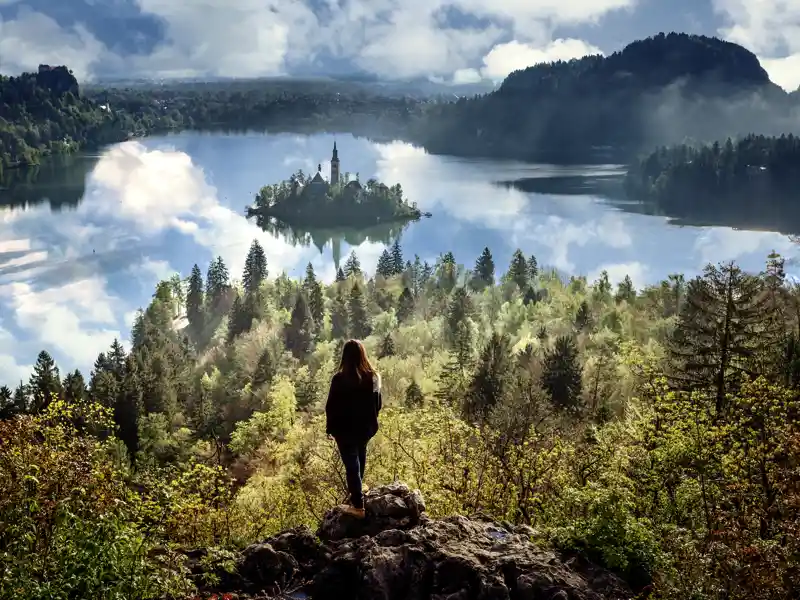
354 457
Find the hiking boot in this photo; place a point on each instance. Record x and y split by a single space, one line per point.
358 513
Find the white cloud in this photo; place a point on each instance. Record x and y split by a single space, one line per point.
396 38
77 319
512 56
11 372
771 29
617 272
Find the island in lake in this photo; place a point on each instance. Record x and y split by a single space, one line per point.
341 201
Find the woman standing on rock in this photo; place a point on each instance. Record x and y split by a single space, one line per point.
354 402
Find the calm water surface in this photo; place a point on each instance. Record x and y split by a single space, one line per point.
82 247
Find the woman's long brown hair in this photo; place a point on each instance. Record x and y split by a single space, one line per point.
354 361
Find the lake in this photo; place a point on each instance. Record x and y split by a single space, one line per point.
82 246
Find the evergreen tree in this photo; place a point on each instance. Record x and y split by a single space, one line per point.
115 359
447 271
7 408
426 274
22 401
518 270
625 291
316 301
453 379
385 267
340 276
414 395
583 317
128 406
195 302
405 305
45 382
542 334
255 268
74 387
387 347
533 268
397 258
357 314
531 296
306 389
562 374
491 379
217 283
265 369
339 317
239 318
725 329
601 291
459 309
483 274
298 335
352 266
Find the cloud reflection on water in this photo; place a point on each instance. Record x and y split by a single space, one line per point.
71 281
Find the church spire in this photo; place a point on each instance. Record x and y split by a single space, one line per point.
335 165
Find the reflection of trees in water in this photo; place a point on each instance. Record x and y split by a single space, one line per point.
320 237
748 211
60 181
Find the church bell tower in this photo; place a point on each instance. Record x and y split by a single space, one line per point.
335 165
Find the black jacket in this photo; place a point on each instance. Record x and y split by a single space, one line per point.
352 408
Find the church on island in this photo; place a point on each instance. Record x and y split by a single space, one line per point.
318 188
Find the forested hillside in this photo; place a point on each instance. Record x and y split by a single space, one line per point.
752 181
660 90
654 431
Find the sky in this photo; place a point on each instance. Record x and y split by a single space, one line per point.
450 40
72 281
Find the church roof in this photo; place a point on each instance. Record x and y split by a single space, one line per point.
318 178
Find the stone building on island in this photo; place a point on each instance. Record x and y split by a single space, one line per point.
318 187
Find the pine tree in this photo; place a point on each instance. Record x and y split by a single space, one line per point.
405 305
491 379
533 268
583 317
459 309
426 274
340 276
397 258
453 379
387 346
265 369
115 358
562 374
7 408
74 387
625 291
385 267
483 274
339 317
725 328
298 334
531 296
601 290
22 398
255 268
128 406
238 319
357 314
447 271
316 300
414 395
352 266
45 382
518 270
195 302
217 283
306 389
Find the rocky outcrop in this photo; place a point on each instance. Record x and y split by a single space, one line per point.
398 553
